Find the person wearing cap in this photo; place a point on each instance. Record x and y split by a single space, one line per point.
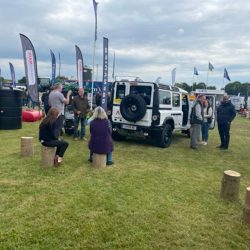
225 115
57 100
196 121
81 107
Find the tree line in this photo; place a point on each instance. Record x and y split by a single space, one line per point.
233 88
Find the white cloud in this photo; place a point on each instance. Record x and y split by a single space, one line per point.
149 37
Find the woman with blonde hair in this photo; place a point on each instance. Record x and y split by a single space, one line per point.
100 135
49 135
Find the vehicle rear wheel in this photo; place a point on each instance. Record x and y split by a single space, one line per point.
164 138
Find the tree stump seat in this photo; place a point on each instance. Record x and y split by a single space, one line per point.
27 146
48 156
230 185
99 160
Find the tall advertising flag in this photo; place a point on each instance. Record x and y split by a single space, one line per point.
53 67
113 73
13 75
30 64
173 76
196 71
79 66
105 72
95 10
226 75
210 66
59 60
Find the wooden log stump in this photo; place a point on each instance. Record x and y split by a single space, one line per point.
99 160
27 146
230 185
246 210
48 156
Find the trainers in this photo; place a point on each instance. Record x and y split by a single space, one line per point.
90 160
75 139
110 163
204 143
84 138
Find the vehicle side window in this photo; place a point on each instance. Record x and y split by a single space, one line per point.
120 91
165 97
176 100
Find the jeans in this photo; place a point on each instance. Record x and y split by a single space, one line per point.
60 145
109 156
76 124
204 131
194 135
224 129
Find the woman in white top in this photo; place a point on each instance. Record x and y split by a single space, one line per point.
207 111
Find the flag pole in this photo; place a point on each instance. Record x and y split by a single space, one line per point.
93 73
207 77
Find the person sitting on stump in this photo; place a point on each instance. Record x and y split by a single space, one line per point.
49 135
100 135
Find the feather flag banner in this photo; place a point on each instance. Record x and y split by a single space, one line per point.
196 71
210 66
30 64
226 75
95 10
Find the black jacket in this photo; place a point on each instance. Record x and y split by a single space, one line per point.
225 112
48 132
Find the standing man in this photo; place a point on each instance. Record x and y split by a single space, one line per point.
57 100
196 121
225 115
81 108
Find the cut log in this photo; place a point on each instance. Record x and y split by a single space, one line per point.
99 160
246 210
27 146
230 185
48 156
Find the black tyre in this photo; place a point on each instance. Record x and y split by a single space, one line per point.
118 137
133 108
164 138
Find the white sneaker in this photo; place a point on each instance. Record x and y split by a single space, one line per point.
205 143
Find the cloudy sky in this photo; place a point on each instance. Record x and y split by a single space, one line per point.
149 37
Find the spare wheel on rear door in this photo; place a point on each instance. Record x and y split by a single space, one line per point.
133 107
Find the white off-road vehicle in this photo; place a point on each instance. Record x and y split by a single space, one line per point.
149 109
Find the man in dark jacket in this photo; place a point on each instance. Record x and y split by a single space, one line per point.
196 121
225 115
81 108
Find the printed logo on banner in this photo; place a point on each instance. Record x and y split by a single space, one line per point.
80 72
30 67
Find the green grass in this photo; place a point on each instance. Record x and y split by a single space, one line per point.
152 198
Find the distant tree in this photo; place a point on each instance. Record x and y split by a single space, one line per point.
1 79
211 87
184 86
61 79
22 80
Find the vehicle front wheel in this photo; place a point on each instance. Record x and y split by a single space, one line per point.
164 138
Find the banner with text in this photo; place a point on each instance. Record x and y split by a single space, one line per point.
53 67
13 75
79 66
105 72
30 64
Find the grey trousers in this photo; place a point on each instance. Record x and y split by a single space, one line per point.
195 135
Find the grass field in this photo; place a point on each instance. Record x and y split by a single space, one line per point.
152 198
